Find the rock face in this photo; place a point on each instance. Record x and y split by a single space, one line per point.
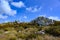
40 32
42 21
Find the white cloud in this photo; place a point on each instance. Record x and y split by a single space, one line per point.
54 18
18 4
6 9
25 17
33 9
6 21
29 9
3 17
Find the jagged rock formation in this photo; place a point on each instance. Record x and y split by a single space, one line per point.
42 21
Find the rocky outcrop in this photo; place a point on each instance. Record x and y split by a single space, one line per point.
42 21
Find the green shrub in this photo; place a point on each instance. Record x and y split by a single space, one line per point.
55 30
12 39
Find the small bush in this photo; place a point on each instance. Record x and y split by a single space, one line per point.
55 30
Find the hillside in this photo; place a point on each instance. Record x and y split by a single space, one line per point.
30 31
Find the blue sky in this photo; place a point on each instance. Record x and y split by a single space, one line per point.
27 10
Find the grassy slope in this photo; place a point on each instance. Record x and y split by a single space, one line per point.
26 31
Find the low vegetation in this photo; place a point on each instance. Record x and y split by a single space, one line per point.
29 31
